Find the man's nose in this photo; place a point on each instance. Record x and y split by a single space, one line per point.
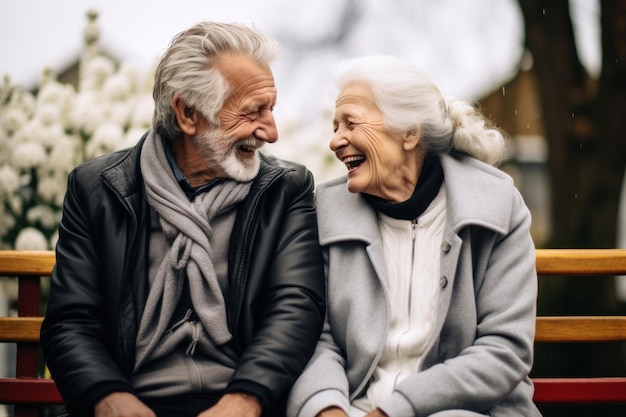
267 130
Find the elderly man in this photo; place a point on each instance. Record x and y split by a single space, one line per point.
189 280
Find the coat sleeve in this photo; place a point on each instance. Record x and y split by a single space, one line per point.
323 383
73 335
495 366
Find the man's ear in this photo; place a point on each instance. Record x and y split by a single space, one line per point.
186 116
411 138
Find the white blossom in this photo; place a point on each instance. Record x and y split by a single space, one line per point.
30 132
28 155
49 135
131 72
9 180
55 94
13 203
96 72
118 87
42 214
131 138
12 118
142 112
31 238
49 113
51 189
23 101
64 155
104 140
88 112
119 113
6 147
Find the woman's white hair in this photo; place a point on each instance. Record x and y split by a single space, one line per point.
188 68
408 99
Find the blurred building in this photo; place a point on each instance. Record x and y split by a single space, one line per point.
515 108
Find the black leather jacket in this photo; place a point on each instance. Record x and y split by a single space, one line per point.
100 283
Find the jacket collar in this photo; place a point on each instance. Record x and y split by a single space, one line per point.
477 194
118 175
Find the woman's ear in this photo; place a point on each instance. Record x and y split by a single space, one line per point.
186 116
411 138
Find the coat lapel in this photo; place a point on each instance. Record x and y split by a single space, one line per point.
345 216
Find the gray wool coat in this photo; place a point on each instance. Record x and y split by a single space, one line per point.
485 320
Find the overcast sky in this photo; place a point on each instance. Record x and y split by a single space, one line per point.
469 48
483 36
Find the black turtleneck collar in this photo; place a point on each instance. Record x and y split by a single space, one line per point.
426 190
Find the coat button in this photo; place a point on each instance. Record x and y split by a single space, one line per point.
443 281
445 246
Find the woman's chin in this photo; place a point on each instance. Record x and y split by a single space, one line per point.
354 186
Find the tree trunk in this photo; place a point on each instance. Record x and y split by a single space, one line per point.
584 124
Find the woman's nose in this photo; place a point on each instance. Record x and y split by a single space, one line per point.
338 141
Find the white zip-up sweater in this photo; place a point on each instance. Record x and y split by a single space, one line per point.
412 258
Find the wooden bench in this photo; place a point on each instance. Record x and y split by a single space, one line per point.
571 329
28 390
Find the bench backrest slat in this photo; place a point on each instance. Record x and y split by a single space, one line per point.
20 329
581 261
549 262
22 263
580 329
549 329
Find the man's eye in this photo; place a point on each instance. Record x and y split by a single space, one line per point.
253 115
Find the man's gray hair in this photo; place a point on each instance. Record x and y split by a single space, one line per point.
188 68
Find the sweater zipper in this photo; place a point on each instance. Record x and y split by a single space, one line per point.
410 294
413 239
191 349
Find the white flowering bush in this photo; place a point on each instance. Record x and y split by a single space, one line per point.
46 134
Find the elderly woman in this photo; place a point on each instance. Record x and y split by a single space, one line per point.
430 263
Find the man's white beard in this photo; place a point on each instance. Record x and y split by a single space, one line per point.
218 149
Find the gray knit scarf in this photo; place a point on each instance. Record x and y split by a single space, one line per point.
187 229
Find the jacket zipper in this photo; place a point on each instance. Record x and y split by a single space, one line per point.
124 282
238 282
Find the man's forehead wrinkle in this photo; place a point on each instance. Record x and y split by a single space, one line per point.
260 98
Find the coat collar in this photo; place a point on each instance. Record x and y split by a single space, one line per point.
477 194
